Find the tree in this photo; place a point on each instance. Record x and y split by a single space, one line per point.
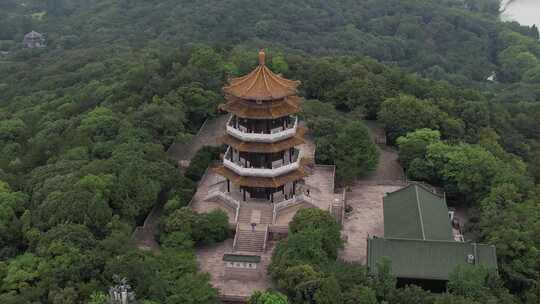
206 66
361 294
191 289
101 124
329 292
203 229
349 147
202 159
98 297
414 145
322 221
305 247
200 104
467 281
511 222
385 282
268 297
12 130
405 113
21 276
356 154
162 119
411 294
467 169
12 205
299 282
87 203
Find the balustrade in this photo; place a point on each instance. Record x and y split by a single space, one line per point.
275 135
238 165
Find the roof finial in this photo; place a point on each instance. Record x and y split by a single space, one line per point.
262 57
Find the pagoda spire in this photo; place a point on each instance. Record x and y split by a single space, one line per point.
261 84
262 57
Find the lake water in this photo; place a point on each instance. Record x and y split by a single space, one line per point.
526 12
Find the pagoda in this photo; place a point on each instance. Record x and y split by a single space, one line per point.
262 162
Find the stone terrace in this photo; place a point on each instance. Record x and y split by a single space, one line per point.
365 219
366 199
211 261
198 202
321 184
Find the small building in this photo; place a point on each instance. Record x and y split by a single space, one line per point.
34 40
419 240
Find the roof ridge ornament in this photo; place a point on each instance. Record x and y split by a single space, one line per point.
262 57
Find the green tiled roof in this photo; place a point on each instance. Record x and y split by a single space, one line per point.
421 259
415 212
241 258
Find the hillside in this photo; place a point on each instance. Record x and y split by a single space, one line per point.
86 121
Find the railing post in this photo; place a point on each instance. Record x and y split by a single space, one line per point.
274 214
265 238
235 236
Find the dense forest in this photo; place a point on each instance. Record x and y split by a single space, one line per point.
86 121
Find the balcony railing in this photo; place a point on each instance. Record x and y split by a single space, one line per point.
275 135
278 167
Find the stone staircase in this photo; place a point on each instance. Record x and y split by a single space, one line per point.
255 212
251 241
248 239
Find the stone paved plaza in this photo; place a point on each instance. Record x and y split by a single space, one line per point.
365 219
211 261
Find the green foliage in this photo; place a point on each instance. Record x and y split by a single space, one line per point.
414 145
411 294
82 139
510 222
200 162
329 292
361 294
268 297
385 282
404 114
205 228
467 281
346 144
12 206
298 282
98 298
305 247
323 222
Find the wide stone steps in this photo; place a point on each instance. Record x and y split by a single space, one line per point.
250 241
248 210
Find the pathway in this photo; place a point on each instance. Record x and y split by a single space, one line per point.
366 199
209 134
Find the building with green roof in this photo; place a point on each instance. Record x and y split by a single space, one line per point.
428 259
419 242
415 212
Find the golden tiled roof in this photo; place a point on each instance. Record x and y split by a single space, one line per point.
268 110
261 84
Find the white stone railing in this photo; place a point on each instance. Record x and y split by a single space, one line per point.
265 238
229 200
260 172
235 236
274 136
297 199
282 205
